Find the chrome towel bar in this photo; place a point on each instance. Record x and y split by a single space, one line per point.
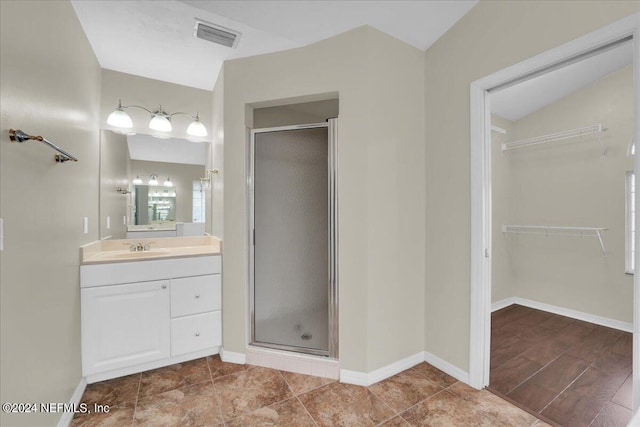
16 135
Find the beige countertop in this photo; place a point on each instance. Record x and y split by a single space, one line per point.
118 250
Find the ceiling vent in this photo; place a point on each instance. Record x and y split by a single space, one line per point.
216 34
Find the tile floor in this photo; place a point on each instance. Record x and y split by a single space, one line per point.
566 371
209 392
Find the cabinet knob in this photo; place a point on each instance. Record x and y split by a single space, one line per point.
197 334
197 296
164 286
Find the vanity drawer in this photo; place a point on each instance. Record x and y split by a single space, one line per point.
193 295
197 332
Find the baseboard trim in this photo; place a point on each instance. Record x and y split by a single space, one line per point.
368 378
67 417
574 314
446 367
395 367
499 305
354 377
232 357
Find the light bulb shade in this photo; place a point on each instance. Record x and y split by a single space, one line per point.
196 128
153 180
160 123
118 118
168 182
137 180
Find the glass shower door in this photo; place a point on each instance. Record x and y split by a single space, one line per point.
291 239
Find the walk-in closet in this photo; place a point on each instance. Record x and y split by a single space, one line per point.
563 189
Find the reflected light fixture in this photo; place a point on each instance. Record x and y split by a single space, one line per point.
137 180
160 120
153 180
209 174
168 182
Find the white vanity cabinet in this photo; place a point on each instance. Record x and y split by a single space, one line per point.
141 315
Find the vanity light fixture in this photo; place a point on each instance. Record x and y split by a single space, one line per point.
137 180
168 183
153 180
160 120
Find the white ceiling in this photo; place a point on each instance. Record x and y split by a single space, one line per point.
154 39
518 101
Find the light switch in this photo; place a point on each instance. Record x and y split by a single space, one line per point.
85 224
108 223
124 220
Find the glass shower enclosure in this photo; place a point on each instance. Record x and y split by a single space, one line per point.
292 238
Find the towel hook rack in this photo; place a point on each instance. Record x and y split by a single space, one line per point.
16 135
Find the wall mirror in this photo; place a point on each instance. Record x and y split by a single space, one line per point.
151 187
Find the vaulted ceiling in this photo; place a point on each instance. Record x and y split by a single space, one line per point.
155 39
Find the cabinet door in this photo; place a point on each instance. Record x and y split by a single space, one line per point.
123 325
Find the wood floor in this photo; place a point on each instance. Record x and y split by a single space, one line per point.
565 371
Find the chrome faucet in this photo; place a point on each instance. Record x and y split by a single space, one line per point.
139 247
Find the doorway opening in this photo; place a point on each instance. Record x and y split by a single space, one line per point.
540 246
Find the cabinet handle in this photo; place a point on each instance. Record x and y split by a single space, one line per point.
197 334
164 286
197 296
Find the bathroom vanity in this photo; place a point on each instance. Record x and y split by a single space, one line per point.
143 309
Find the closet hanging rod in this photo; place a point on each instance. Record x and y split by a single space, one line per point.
20 136
558 136
553 230
498 129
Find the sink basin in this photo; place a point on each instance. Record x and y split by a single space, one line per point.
133 255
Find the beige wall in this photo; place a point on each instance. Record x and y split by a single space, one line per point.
114 172
215 160
381 184
492 36
569 184
395 206
50 85
182 176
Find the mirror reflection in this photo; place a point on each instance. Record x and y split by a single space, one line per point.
151 187
153 204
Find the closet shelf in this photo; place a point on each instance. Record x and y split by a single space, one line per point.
558 136
554 230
